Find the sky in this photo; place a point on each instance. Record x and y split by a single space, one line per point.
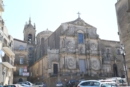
51 13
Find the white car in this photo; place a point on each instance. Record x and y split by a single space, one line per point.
24 85
108 84
120 81
95 83
89 83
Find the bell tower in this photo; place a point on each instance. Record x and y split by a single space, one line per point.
29 32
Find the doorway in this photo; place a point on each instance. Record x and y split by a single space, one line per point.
55 68
115 70
82 66
20 80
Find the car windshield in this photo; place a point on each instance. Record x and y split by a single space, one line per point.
39 83
109 85
122 81
90 83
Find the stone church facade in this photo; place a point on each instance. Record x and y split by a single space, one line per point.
74 48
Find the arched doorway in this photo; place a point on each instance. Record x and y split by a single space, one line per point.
20 80
115 70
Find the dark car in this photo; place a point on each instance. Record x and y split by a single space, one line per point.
59 84
72 83
40 84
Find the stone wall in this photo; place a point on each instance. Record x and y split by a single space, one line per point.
123 20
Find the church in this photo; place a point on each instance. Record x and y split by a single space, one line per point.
74 48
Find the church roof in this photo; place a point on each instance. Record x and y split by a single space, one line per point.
29 25
45 32
79 22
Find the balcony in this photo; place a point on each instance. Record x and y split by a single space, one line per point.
1 6
7 59
17 74
18 63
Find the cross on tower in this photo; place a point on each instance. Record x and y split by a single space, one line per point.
78 15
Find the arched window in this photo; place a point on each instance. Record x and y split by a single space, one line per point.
80 38
29 38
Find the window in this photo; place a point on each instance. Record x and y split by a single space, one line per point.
80 38
118 52
21 60
20 71
30 55
108 50
30 48
21 47
29 38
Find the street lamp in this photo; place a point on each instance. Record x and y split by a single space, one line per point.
123 54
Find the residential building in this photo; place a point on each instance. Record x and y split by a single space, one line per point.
21 61
6 54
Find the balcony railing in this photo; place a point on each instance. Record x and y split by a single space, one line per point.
17 74
20 63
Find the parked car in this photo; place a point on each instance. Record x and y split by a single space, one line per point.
96 83
40 84
59 84
13 85
23 84
72 83
89 83
26 84
108 84
120 81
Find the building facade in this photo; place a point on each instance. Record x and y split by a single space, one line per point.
74 49
21 61
123 21
6 54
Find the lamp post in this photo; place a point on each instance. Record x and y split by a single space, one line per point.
123 54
